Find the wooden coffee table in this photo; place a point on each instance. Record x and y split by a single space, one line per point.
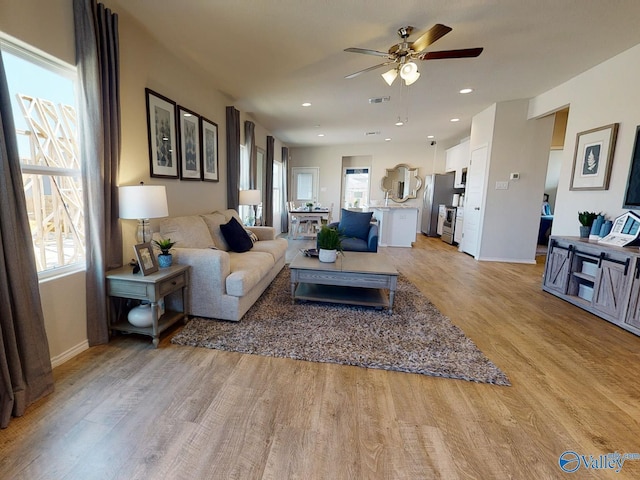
356 278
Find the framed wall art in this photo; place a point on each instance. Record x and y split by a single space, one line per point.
209 132
632 195
146 259
189 134
161 128
593 158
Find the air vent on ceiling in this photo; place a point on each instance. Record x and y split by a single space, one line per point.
379 99
368 134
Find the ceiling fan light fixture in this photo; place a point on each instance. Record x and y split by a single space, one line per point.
409 73
390 76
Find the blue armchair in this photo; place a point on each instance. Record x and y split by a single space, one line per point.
358 233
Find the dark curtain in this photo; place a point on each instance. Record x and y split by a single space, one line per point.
25 362
284 218
99 103
250 144
268 183
233 157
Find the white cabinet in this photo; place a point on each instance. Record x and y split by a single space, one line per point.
397 226
457 160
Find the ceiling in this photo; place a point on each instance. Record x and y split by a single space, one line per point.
271 56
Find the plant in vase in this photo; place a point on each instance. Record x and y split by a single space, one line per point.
165 258
586 221
309 206
329 244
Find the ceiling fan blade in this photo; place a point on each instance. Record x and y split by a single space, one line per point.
366 51
430 36
368 69
463 53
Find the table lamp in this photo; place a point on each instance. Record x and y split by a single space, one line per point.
142 202
252 198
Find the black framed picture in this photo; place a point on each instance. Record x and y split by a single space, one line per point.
189 134
209 133
161 134
632 195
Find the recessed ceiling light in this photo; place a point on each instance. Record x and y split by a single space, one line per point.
466 90
306 104
387 139
321 134
431 136
454 120
186 114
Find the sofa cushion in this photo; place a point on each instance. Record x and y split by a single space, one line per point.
188 232
213 222
236 236
247 270
277 248
355 224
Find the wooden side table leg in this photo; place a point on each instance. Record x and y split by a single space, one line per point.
154 317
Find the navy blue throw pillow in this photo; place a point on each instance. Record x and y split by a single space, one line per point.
236 236
355 224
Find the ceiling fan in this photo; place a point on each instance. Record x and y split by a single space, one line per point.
402 55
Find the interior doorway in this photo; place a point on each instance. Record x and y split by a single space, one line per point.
356 180
554 164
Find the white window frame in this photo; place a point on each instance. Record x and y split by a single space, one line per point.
30 54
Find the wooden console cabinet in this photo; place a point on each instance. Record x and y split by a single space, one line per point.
601 279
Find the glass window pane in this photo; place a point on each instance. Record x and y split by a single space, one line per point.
43 104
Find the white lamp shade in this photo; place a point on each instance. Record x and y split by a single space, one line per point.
409 73
143 201
390 76
250 197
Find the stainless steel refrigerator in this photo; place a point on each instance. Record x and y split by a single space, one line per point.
438 190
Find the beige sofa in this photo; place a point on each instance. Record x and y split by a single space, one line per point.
224 284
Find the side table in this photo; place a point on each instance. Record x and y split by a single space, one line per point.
151 288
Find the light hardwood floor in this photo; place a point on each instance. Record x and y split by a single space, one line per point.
129 411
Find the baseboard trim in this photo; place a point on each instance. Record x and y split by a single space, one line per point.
69 354
507 260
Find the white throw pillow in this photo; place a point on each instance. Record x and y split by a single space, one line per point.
213 222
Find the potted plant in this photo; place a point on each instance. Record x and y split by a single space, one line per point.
165 258
329 244
586 221
309 206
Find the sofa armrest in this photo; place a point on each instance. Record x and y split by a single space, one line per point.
264 232
372 240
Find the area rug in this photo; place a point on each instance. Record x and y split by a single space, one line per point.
415 338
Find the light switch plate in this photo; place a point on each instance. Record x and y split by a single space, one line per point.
502 185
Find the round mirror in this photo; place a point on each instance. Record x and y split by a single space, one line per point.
401 183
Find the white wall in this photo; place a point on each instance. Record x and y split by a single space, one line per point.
608 93
428 159
512 217
554 168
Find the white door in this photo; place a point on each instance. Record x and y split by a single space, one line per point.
304 185
473 196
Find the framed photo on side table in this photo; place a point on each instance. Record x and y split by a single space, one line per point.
190 158
593 158
161 128
146 258
209 150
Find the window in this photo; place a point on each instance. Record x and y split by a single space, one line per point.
356 188
44 111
